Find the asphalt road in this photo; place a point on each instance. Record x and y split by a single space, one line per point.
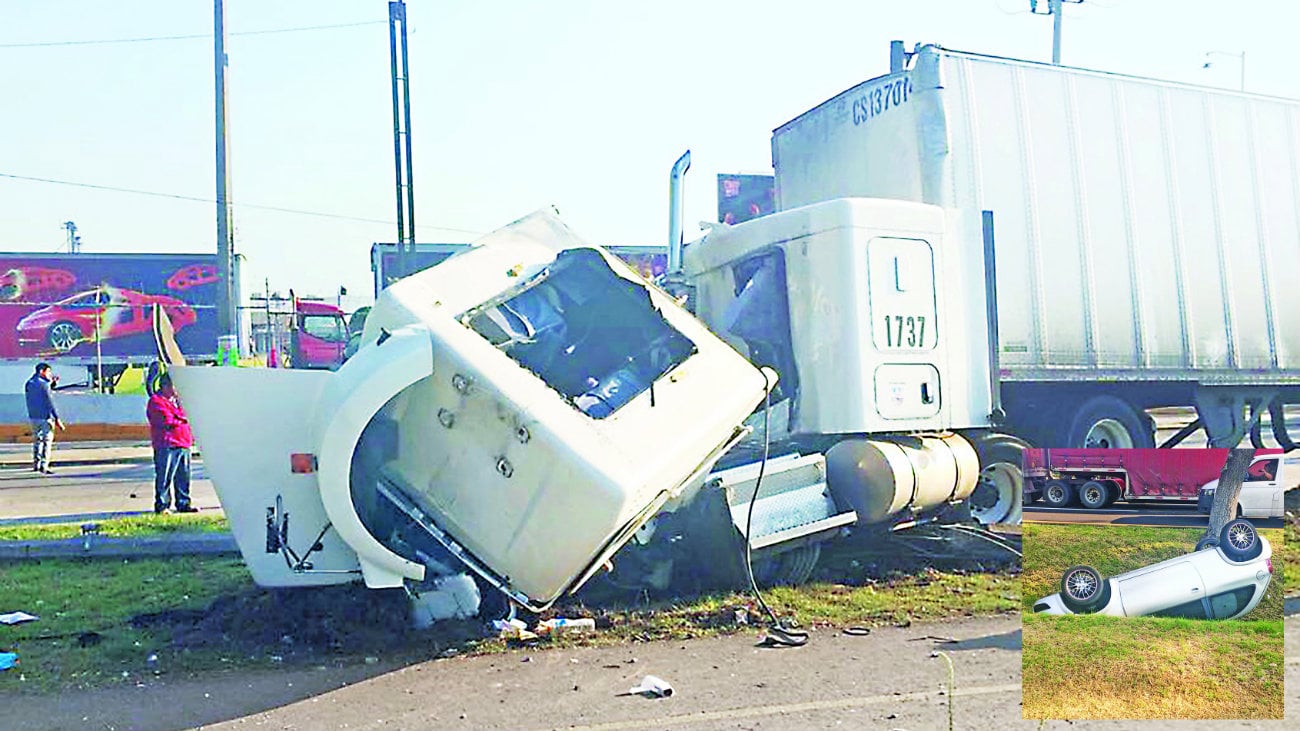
75 490
888 679
1123 514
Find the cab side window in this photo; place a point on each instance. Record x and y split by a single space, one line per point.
1262 471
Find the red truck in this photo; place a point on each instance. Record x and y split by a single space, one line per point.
1096 478
319 335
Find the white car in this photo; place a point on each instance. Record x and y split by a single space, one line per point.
1221 579
1264 490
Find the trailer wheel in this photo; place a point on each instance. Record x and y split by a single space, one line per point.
998 496
1093 494
1239 540
1106 422
63 336
1058 493
1112 494
1083 590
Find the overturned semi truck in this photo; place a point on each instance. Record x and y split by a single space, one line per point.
519 413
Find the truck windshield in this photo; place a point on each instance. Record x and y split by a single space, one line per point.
325 327
590 334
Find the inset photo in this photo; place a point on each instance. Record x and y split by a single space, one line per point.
1152 622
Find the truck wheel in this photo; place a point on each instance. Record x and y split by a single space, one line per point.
1058 493
1083 590
1239 541
1093 495
1106 422
1112 494
789 568
998 496
63 336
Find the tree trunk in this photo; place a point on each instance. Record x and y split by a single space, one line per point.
1224 507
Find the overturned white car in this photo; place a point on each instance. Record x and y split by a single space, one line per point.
1221 579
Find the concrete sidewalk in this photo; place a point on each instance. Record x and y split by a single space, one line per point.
77 454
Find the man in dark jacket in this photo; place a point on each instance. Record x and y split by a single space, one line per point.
43 415
169 430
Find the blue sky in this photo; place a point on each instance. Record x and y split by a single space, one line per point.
579 104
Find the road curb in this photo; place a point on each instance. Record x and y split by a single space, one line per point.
93 546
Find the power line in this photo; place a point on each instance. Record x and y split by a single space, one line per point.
197 36
200 199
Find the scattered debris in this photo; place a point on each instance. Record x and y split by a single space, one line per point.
563 625
652 687
8 660
512 629
372 660
89 639
856 631
17 618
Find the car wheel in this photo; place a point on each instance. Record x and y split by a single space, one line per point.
1083 590
1058 493
1239 540
1093 495
1207 542
63 336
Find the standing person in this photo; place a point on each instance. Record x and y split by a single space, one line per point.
169 430
43 415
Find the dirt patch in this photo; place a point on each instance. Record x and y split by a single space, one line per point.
306 624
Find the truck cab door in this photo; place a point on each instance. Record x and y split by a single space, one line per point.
903 326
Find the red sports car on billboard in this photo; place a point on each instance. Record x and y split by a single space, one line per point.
110 312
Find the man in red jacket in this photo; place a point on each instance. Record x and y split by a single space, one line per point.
169 430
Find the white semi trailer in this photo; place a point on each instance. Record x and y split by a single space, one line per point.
1146 237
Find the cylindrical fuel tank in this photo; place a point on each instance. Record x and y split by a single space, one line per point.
879 479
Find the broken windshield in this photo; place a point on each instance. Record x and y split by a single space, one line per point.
590 334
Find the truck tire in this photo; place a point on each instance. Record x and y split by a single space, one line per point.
1112 494
999 495
1239 540
788 568
1058 493
1106 422
1083 590
1093 495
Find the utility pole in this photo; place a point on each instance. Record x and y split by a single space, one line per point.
402 137
1058 17
74 241
227 269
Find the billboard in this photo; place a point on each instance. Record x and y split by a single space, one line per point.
77 307
745 197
